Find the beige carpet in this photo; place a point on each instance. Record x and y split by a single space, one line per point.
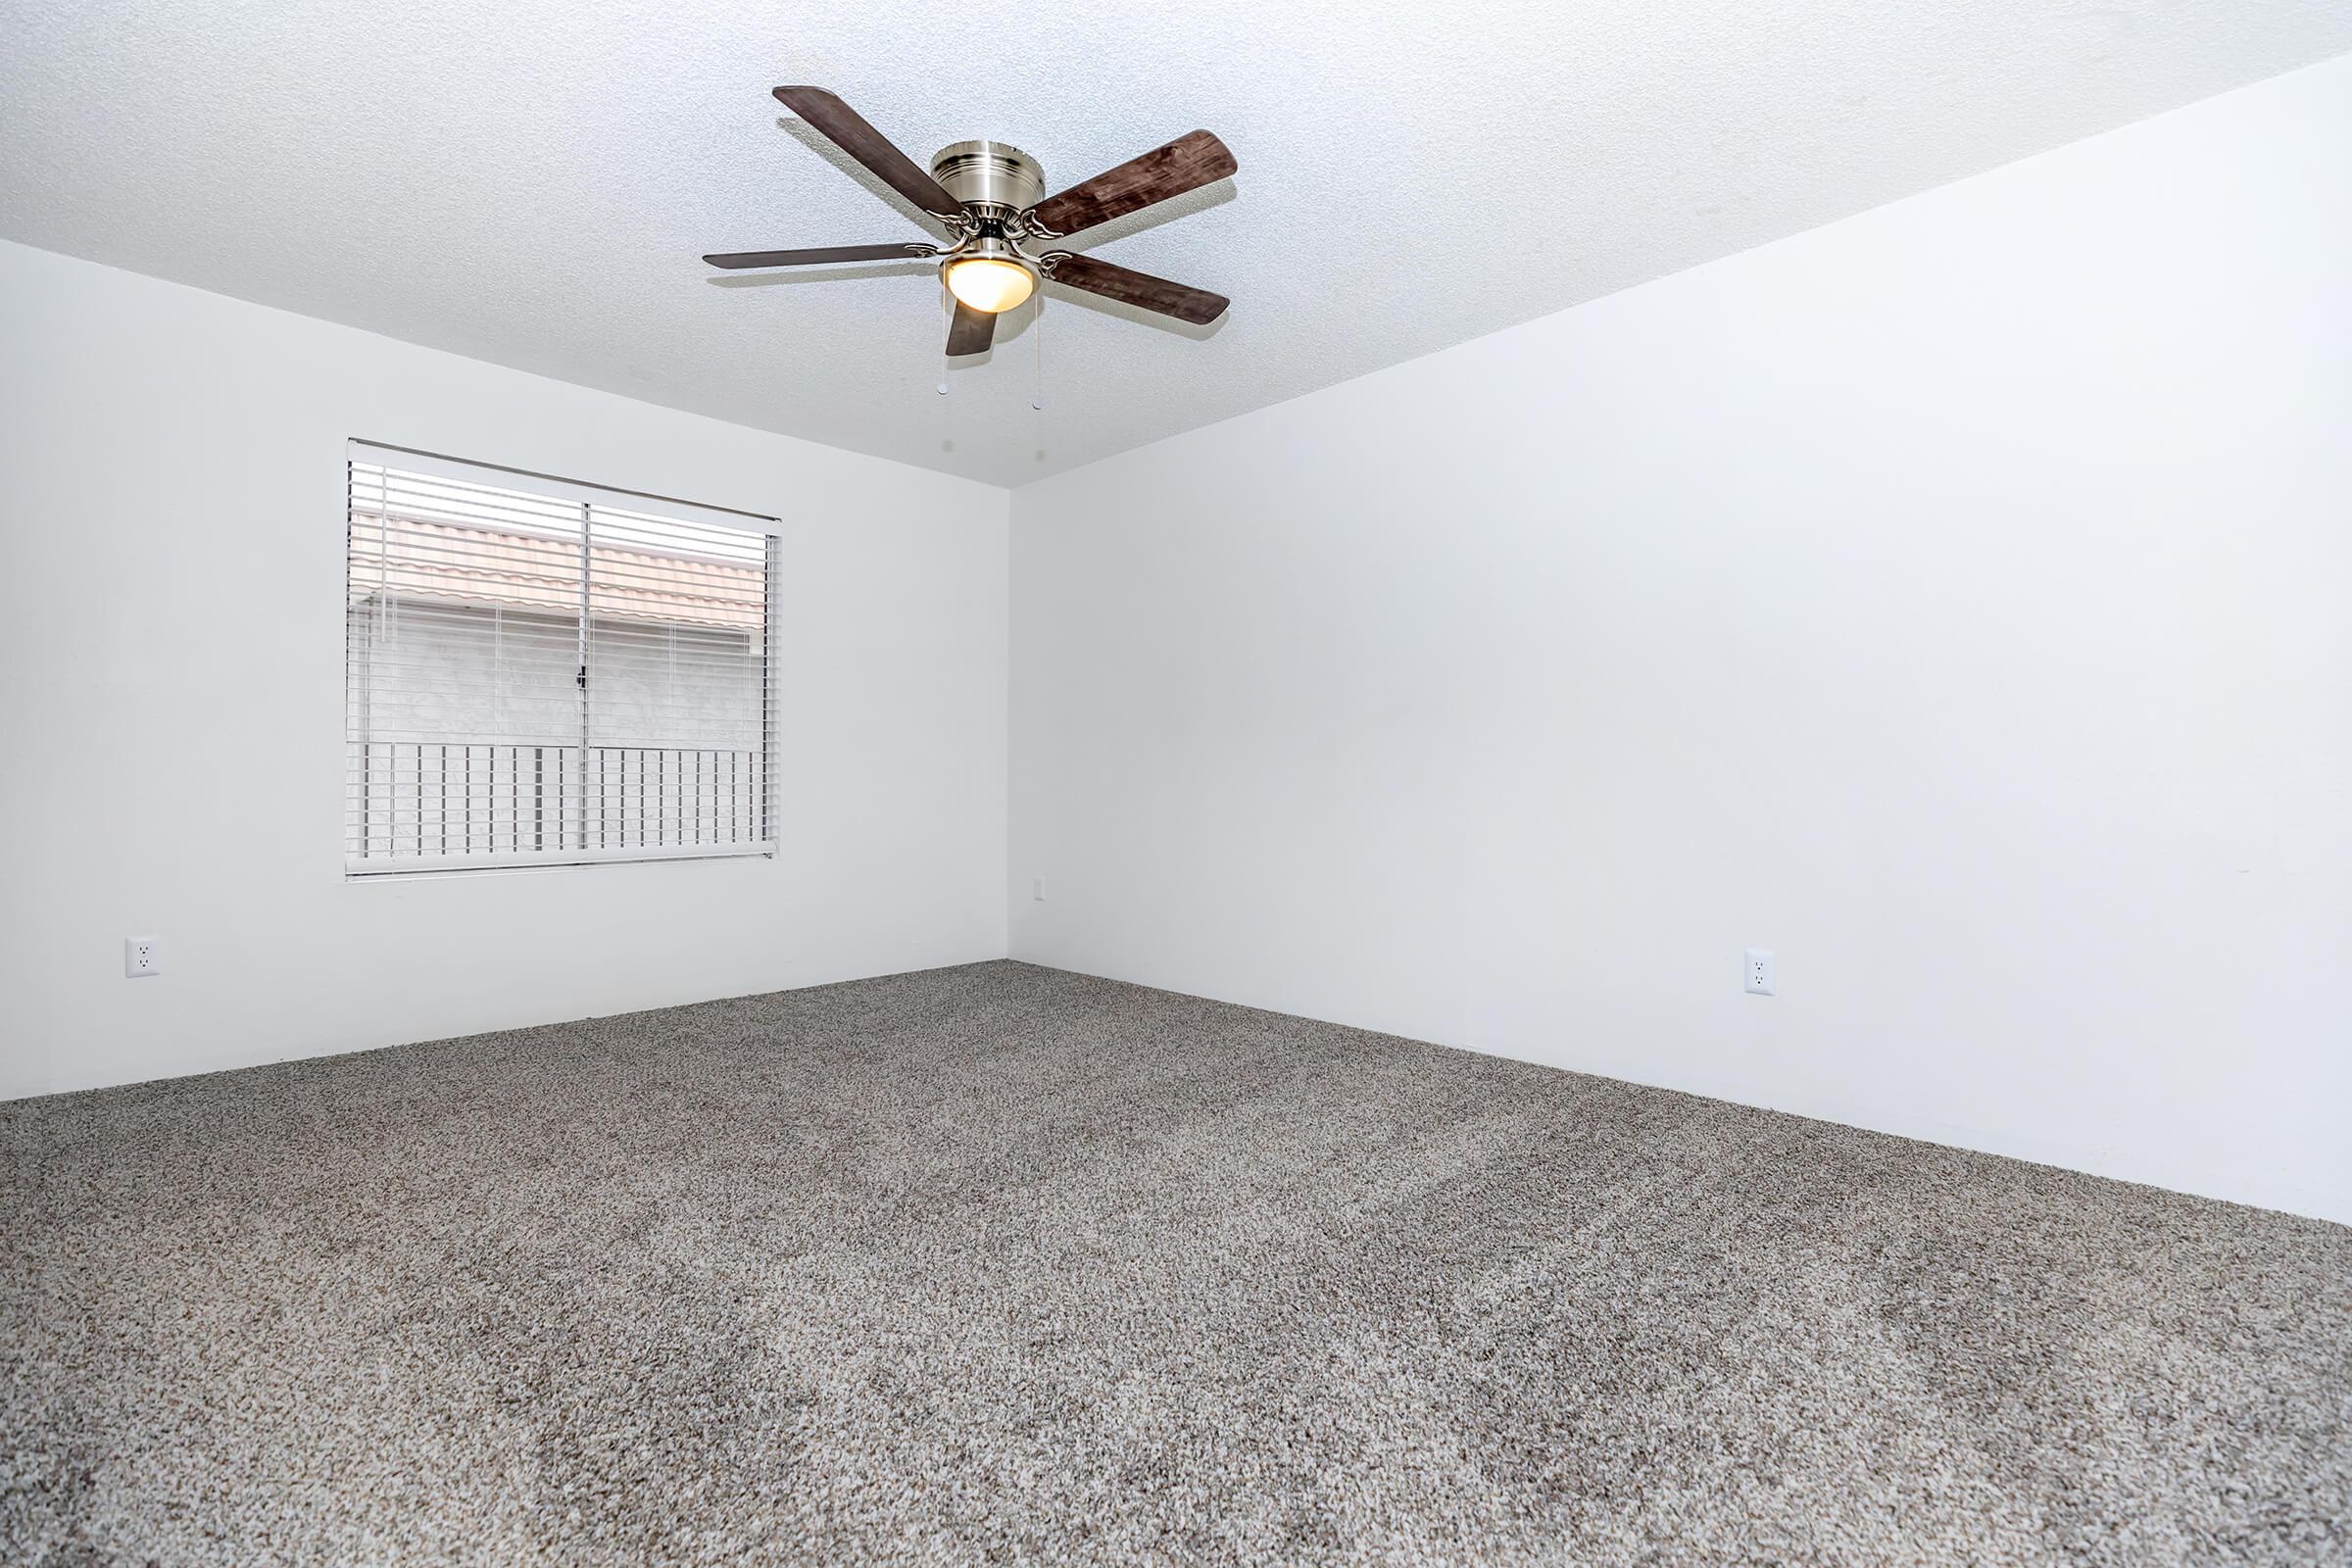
1003 1265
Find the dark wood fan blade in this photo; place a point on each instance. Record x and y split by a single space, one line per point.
847 129
972 331
1186 303
908 252
1185 163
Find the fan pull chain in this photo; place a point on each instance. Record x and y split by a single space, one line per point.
1037 397
947 322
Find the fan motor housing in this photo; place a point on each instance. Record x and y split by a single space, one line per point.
989 173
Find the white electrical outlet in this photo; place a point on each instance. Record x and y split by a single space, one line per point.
1759 971
142 956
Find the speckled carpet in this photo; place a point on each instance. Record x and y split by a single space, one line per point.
1001 1264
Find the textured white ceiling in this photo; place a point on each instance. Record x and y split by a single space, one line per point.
532 183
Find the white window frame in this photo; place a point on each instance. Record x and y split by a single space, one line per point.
644 523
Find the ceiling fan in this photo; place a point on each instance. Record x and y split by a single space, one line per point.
987 194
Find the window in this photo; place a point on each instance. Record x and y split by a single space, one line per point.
541 672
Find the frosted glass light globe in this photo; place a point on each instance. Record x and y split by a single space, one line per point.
989 285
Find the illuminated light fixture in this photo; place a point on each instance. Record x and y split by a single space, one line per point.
990 284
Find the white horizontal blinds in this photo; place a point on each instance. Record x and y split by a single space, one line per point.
474 727
678 680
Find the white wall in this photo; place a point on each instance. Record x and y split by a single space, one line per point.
1956 600
167 767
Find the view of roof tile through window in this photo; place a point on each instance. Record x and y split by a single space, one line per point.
475 544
